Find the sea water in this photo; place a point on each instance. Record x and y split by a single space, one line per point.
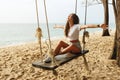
25 32
16 33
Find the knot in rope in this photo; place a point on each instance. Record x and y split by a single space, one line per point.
38 34
86 33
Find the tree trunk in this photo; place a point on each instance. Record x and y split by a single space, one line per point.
106 17
114 9
114 53
118 31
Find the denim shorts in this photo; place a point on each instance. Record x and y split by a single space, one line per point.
76 44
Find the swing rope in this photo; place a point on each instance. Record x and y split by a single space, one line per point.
47 25
85 12
38 30
37 13
50 53
76 7
84 32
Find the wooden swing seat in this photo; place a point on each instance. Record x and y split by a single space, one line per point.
60 59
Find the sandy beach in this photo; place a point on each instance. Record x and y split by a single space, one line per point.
16 62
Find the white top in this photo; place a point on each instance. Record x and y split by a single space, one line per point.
74 32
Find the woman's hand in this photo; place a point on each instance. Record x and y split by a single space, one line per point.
104 26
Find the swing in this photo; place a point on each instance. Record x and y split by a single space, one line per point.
60 59
63 58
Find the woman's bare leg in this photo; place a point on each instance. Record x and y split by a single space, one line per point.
59 46
71 48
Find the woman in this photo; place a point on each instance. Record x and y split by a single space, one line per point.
71 31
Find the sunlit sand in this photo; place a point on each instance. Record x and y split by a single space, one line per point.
16 62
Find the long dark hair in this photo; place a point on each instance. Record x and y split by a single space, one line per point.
67 26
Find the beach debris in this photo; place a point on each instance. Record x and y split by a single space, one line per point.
84 78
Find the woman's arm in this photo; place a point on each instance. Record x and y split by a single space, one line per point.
104 26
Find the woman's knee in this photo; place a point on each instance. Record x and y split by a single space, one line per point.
61 42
